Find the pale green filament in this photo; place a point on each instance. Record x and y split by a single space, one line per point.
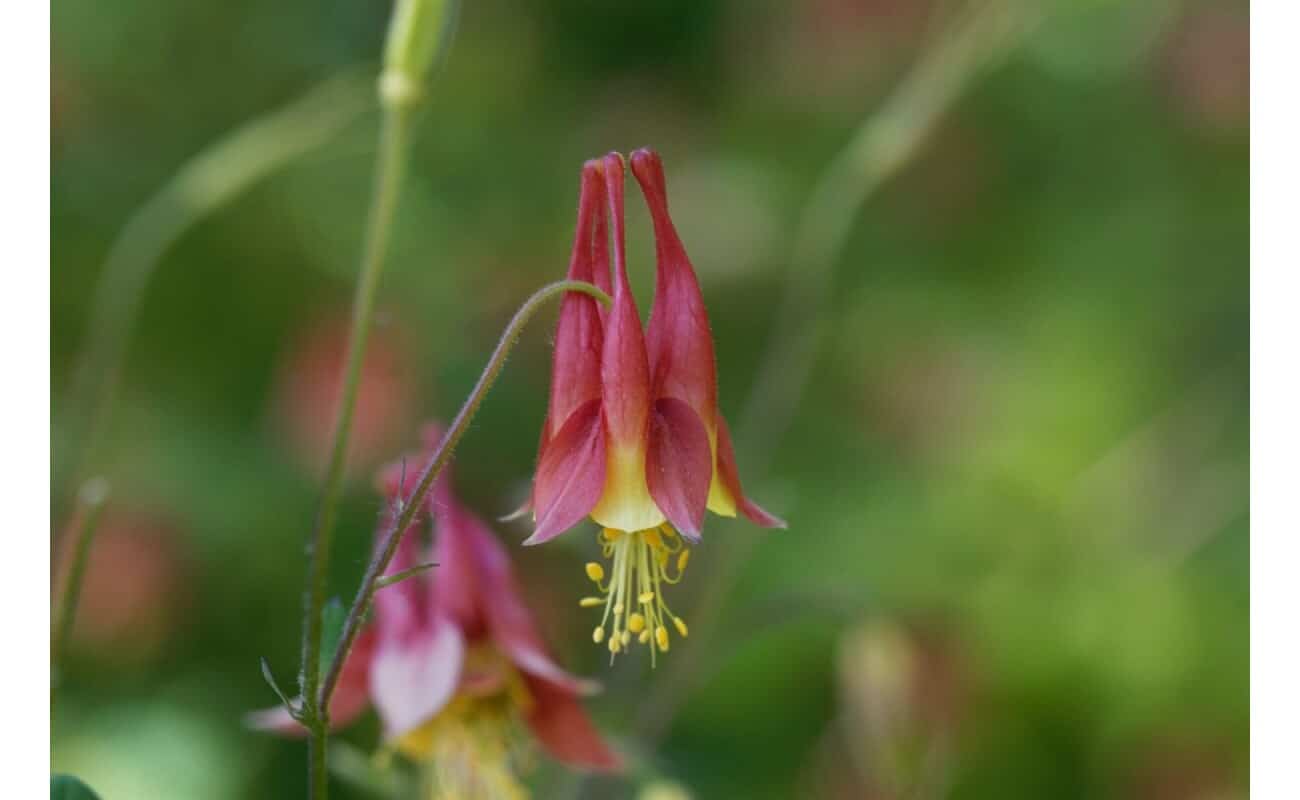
635 609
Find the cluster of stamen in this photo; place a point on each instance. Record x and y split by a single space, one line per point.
643 562
474 747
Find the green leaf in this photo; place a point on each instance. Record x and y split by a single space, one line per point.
389 580
332 617
67 787
275 687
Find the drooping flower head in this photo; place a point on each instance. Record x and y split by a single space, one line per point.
633 436
453 662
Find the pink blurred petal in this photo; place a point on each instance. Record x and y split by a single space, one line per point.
564 730
511 625
679 465
412 680
571 474
456 583
401 609
275 720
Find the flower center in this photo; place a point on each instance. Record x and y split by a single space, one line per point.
633 598
474 747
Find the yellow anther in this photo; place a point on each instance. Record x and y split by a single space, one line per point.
633 589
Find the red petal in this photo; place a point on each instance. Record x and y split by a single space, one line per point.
563 729
412 679
678 339
575 363
600 253
730 477
400 609
571 474
625 372
679 465
456 583
510 624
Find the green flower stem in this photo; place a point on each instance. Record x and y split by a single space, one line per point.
394 144
411 507
91 500
418 32
204 184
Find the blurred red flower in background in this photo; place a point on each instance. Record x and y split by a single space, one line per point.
307 386
133 592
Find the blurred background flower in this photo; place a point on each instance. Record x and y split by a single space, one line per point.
135 592
307 386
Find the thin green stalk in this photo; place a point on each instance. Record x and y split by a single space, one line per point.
419 33
91 500
412 506
394 144
204 184
884 143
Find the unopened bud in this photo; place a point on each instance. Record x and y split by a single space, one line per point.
417 33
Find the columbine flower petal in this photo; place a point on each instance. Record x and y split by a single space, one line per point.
625 379
563 728
412 679
509 623
571 474
726 496
679 465
679 341
419 652
575 361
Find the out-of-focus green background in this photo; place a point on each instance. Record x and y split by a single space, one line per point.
1016 485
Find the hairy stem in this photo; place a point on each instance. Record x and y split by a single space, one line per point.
412 506
390 170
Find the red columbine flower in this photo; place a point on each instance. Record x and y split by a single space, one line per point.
633 435
453 659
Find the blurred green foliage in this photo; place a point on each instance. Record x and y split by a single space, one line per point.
1025 447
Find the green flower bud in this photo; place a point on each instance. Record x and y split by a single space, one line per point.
417 34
